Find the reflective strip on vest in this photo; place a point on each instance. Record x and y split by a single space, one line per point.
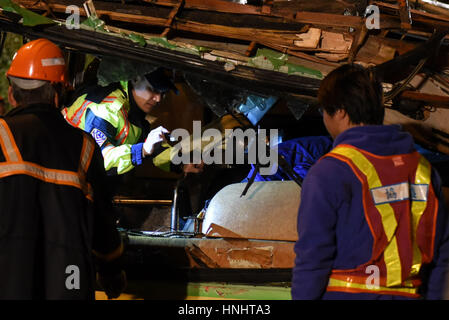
8 144
391 252
14 164
423 174
123 134
87 152
355 287
78 114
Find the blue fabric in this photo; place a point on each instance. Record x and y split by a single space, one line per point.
300 153
332 230
94 122
432 156
136 154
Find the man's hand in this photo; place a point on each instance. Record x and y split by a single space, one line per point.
154 137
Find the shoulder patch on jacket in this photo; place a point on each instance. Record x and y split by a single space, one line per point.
99 136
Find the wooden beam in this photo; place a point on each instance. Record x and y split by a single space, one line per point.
211 5
431 99
328 19
280 37
359 39
414 13
251 48
404 14
171 16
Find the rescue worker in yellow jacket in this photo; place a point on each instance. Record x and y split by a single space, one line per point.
55 213
114 116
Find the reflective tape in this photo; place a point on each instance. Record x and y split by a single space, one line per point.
354 287
9 147
419 194
389 223
59 177
14 164
49 62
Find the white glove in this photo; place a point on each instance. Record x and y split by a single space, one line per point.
154 137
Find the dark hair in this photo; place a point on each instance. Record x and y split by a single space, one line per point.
355 90
44 94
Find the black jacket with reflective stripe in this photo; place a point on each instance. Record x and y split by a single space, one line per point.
48 228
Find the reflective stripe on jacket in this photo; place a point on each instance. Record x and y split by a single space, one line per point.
400 208
56 206
15 165
107 121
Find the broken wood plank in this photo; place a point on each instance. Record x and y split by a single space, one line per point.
328 19
251 48
333 41
415 13
404 14
431 7
431 99
359 39
212 5
310 39
171 16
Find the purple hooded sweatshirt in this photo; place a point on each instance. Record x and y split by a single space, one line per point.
332 230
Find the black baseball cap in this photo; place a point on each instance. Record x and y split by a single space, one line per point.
159 82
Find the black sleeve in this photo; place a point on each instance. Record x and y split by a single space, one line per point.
107 242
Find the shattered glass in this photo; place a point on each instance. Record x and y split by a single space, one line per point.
297 107
117 69
256 107
219 98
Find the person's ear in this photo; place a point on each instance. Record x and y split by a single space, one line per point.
11 99
340 114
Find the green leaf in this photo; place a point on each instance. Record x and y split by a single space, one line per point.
162 41
94 23
30 18
138 39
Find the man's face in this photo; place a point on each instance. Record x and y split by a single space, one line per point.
146 100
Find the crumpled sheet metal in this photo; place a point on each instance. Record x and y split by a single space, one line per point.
240 254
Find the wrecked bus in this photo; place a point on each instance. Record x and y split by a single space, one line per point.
213 236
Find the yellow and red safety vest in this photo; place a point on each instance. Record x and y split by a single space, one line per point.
400 207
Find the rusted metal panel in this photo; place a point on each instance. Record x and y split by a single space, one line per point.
221 253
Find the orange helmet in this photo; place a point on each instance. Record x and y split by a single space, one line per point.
39 59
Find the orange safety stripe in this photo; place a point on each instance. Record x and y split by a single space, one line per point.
354 287
55 176
9 147
78 114
109 99
87 152
14 164
121 137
